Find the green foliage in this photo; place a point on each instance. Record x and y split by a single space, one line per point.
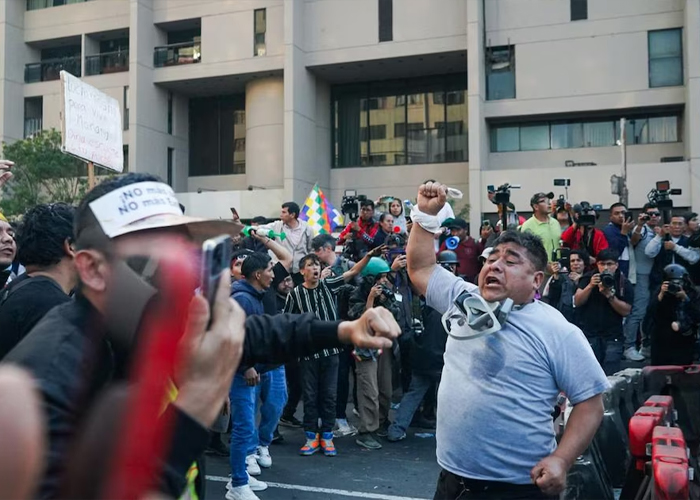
42 174
461 212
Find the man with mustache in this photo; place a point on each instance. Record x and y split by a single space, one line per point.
498 389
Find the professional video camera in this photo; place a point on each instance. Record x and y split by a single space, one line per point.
585 214
561 201
563 256
661 195
502 193
350 205
607 279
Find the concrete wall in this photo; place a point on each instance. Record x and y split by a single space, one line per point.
13 55
75 19
217 205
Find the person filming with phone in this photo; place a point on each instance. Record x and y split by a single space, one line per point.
603 299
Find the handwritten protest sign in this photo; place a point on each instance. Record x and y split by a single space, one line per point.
91 125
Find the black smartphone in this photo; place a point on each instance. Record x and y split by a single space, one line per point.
629 216
491 188
563 256
216 260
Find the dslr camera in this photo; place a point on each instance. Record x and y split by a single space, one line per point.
585 214
350 205
675 286
607 279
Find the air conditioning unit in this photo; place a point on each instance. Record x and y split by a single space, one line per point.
261 51
671 159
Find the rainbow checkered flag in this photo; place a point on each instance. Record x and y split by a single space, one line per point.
319 213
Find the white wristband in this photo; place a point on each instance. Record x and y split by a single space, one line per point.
431 223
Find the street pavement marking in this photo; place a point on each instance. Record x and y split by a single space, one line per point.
330 491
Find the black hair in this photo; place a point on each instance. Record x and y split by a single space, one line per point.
617 204
257 261
649 205
323 240
583 254
83 214
384 216
292 208
607 254
395 239
688 216
530 242
312 257
241 252
259 220
367 203
42 234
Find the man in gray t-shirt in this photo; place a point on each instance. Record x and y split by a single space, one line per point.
495 436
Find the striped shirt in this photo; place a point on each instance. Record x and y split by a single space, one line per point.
321 301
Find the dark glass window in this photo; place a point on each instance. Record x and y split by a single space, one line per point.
217 135
171 152
579 10
260 29
665 58
386 20
500 73
400 122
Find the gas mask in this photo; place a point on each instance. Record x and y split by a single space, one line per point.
471 317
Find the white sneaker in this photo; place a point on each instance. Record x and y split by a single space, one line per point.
343 428
253 483
633 354
256 484
241 493
263 457
251 464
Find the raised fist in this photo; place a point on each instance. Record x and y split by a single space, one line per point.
431 197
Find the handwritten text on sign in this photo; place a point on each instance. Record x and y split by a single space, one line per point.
92 124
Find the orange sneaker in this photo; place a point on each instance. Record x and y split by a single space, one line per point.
327 444
313 444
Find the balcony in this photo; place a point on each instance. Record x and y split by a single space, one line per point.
32 126
178 53
45 4
50 69
108 62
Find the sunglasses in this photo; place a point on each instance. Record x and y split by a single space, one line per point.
653 214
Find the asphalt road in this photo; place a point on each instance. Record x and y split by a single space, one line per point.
405 470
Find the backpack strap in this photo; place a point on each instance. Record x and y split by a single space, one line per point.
7 292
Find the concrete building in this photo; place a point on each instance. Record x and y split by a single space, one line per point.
248 103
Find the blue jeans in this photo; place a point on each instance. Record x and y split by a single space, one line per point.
608 352
242 427
633 322
272 394
420 385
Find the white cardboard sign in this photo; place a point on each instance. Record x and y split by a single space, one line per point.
91 124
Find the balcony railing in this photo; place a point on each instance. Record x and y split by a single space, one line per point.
177 53
108 62
32 126
48 70
45 4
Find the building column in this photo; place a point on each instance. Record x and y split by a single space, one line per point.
691 51
264 139
14 53
476 91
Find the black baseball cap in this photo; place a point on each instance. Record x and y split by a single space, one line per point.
456 222
538 196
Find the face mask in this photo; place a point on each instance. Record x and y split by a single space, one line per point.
471 317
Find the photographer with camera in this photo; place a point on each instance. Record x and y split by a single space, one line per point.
542 225
582 235
559 291
372 366
359 235
603 299
670 246
674 315
620 236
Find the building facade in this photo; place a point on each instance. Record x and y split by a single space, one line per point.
249 103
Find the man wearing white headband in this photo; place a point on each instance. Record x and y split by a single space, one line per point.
506 360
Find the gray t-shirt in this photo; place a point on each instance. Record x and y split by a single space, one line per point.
643 262
497 392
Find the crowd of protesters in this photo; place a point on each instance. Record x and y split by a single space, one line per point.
346 326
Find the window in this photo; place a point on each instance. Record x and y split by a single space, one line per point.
33 115
44 4
217 135
170 112
260 30
417 121
579 10
125 113
590 133
665 58
170 166
386 20
125 150
500 73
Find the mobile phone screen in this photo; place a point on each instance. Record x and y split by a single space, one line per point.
216 260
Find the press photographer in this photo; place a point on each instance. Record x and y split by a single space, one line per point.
620 236
604 297
542 225
582 235
561 287
674 315
670 246
358 236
